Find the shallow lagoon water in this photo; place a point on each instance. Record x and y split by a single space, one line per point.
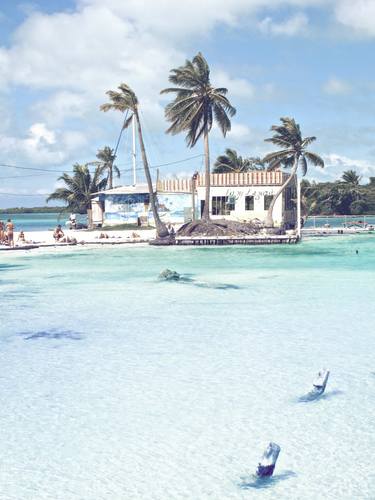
115 385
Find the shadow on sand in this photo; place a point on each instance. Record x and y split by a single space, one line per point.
260 483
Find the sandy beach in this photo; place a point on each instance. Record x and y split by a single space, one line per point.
80 237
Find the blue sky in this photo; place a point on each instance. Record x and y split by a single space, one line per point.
310 59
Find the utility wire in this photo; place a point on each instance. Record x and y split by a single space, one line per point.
49 172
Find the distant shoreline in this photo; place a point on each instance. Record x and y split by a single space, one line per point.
30 210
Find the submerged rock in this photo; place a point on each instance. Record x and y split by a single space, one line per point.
267 464
168 275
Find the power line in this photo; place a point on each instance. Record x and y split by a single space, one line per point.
49 172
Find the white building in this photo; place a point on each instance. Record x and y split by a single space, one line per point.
238 196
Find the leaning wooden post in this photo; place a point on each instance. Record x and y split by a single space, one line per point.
319 384
267 464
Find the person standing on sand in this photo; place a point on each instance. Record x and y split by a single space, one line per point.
1 232
10 229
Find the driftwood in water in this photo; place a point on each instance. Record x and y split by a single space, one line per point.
267 464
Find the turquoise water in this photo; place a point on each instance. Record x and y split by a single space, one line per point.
38 221
117 386
339 221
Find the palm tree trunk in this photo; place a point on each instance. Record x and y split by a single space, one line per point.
206 210
110 176
161 228
269 218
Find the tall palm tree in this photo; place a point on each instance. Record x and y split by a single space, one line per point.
126 101
195 107
106 158
351 177
230 161
292 155
79 188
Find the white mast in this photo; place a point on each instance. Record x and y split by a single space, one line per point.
134 157
298 207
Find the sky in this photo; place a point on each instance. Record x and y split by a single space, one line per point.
308 59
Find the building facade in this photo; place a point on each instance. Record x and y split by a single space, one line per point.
238 196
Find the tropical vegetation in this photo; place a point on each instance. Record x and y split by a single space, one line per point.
78 189
195 108
106 157
293 154
126 102
342 197
231 161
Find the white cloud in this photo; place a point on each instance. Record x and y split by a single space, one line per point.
238 87
295 25
358 15
336 164
43 146
334 86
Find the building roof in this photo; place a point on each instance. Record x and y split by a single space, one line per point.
137 189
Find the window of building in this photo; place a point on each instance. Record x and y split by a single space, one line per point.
222 205
267 201
249 202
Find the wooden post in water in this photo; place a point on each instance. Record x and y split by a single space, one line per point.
268 461
298 207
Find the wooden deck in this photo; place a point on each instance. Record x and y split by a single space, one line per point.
228 240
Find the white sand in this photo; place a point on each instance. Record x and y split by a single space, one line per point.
45 238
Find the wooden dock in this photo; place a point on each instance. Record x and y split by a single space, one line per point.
245 240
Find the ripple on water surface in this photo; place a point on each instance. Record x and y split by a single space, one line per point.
174 390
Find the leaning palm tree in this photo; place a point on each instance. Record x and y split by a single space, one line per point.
79 188
230 161
292 155
195 107
351 177
106 158
126 101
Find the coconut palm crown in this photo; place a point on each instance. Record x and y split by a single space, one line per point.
106 157
293 154
196 106
126 102
351 177
231 161
79 187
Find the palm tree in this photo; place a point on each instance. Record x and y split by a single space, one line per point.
126 101
79 188
292 155
195 107
106 158
230 161
351 177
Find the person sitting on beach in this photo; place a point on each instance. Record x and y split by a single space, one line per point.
21 237
73 222
58 233
10 229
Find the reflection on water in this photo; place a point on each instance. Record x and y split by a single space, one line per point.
313 397
261 483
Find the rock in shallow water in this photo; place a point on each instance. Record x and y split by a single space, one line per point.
168 275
